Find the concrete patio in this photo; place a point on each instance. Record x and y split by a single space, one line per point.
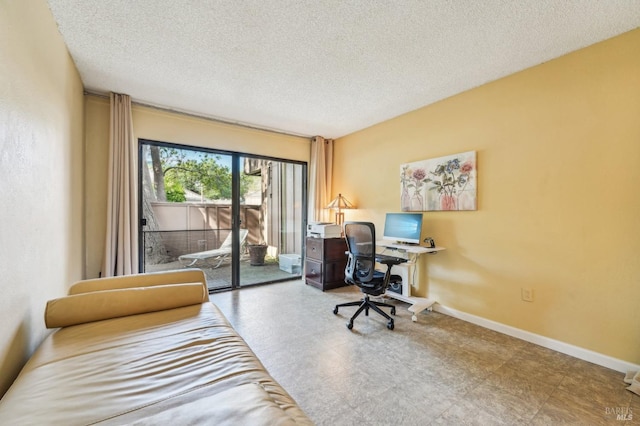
218 278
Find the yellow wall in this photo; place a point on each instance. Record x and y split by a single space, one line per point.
41 165
163 126
558 149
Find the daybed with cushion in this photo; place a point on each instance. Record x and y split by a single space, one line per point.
144 349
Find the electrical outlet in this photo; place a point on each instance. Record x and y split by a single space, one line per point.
527 294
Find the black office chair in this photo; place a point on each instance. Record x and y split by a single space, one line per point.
360 270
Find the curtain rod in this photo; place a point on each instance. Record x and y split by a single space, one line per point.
203 117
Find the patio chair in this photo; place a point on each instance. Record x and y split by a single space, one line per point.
220 254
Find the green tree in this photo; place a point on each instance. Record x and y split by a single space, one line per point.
174 191
174 171
206 176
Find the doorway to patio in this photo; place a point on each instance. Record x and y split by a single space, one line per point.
240 218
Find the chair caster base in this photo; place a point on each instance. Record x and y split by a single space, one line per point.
363 306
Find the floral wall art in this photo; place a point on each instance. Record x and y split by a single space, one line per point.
443 183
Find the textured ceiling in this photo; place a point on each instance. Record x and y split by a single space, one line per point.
320 67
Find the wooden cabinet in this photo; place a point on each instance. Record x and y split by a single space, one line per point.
325 262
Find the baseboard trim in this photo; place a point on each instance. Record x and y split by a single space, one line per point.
556 345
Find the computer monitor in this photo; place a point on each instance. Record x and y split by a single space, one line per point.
403 227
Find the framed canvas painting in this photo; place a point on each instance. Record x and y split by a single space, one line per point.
438 184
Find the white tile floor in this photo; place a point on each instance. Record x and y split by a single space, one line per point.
439 370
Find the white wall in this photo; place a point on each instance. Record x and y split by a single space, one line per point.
41 175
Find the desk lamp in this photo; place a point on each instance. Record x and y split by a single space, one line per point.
339 203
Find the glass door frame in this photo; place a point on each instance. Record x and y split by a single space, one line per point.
235 202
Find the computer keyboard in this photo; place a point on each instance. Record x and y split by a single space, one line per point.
395 259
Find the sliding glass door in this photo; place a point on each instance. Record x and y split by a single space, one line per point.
238 218
273 206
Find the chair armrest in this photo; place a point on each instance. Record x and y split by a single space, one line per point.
390 261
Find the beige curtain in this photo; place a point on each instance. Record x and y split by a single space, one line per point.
121 251
321 170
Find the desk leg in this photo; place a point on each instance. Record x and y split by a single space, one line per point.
419 306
